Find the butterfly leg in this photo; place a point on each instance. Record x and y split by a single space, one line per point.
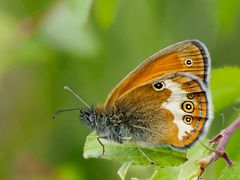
100 142
144 154
140 150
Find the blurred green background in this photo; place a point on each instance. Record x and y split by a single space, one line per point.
90 46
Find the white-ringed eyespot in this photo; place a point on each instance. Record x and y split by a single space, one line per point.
188 106
188 62
187 119
158 86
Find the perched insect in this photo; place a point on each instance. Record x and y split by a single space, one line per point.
164 101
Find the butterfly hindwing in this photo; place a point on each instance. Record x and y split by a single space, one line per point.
172 109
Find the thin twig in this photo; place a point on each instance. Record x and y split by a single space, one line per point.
219 152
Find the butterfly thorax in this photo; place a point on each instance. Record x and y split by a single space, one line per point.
108 123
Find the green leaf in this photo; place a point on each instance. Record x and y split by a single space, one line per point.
166 173
191 169
231 173
130 152
225 87
199 150
123 170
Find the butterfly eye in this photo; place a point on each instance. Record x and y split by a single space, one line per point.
188 62
188 106
187 119
158 86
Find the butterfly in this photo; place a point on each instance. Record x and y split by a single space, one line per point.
165 101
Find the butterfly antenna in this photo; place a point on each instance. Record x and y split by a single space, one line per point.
63 110
80 99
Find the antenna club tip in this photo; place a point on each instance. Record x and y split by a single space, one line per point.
68 89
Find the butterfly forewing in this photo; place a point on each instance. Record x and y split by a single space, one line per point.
189 56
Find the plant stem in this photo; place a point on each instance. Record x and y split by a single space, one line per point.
223 139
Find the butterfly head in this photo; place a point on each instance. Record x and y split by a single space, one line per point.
88 117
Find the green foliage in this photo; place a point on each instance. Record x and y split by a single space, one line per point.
166 173
169 161
231 173
130 153
123 170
